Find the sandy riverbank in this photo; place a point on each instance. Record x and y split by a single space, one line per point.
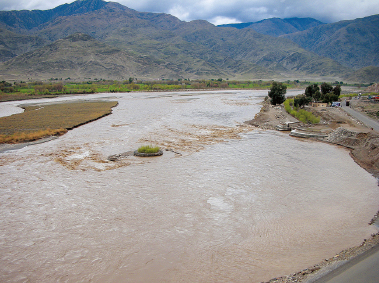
342 130
14 146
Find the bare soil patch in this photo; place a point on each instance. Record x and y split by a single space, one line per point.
341 128
331 118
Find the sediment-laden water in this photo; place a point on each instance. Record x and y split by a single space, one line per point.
227 203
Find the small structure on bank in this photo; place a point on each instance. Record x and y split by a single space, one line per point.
319 104
287 126
307 134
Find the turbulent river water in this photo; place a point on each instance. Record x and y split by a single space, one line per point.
225 203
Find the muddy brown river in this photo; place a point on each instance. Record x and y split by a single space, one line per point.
225 203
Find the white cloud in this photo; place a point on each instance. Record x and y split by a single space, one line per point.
255 10
179 12
220 20
31 4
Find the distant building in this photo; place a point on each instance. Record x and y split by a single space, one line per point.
319 104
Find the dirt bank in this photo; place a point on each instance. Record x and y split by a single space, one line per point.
320 269
340 128
343 130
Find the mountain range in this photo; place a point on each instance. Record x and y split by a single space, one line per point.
98 39
278 27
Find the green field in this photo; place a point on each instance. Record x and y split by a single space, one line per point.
55 87
29 90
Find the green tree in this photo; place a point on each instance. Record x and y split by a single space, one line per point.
301 100
277 93
311 90
134 86
330 94
326 88
317 96
329 97
337 90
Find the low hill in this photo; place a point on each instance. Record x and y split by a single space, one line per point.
13 44
80 56
352 43
365 75
277 26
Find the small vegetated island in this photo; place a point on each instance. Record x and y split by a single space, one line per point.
40 121
148 151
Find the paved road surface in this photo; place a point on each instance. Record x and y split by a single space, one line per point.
362 269
363 118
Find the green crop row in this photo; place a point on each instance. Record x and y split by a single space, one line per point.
300 114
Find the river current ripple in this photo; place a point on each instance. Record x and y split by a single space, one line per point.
227 203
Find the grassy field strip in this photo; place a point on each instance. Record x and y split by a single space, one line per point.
301 114
40 121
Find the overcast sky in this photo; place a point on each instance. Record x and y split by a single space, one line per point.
231 11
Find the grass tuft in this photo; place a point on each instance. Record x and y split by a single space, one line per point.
148 149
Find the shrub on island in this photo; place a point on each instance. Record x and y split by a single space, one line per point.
148 150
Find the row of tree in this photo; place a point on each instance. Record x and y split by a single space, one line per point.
325 93
328 93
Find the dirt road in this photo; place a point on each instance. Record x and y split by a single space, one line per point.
370 123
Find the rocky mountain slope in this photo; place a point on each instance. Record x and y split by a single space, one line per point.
170 48
21 21
81 56
13 44
354 43
368 74
277 27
